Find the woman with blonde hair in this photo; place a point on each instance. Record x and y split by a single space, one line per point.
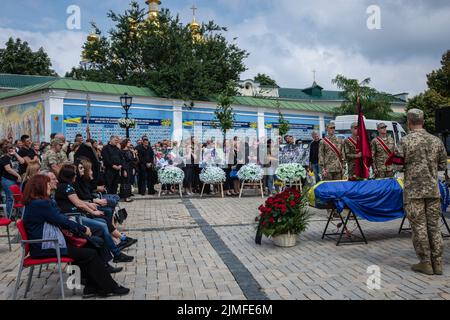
33 169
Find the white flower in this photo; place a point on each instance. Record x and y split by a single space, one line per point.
171 175
212 175
290 172
251 172
127 122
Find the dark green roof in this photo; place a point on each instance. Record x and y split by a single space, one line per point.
17 81
284 104
116 89
299 94
83 86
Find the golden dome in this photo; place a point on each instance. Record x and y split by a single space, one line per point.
93 37
153 11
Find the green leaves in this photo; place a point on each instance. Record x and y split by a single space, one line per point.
375 104
224 112
437 96
439 80
428 102
265 80
284 124
18 58
164 56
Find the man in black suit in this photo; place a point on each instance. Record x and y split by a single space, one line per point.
112 160
146 177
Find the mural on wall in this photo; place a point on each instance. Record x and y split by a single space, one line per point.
21 119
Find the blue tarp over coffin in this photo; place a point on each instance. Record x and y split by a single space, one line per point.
373 200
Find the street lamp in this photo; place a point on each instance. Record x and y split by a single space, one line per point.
126 101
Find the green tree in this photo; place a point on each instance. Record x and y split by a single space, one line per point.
283 124
163 55
439 80
224 111
265 80
437 96
428 102
18 58
375 104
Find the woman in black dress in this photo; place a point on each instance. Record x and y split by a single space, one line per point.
127 171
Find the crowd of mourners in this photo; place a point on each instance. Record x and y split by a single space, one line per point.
77 187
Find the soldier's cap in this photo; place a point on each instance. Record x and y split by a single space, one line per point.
381 125
415 115
57 141
331 125
354 125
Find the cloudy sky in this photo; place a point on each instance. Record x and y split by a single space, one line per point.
286 39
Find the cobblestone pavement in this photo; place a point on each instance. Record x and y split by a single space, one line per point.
205 249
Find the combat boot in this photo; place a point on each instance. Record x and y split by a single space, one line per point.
425 268
437 267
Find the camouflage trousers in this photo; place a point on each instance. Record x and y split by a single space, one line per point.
333 176
351 172
385 174
424 216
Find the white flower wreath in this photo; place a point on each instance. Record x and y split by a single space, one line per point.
290 172
212 175
171 175
251 172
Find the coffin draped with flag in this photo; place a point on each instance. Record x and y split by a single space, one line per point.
373 200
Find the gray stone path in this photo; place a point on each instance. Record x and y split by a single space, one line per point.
185 248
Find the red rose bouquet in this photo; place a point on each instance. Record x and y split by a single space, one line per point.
284 213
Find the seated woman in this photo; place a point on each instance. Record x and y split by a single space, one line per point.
32 169
85 190
42 218
69 202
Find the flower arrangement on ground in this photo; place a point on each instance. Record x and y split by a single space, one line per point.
212 175
127 123
251 172
171 175
290 172
284 213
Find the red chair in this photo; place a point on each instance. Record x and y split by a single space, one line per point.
29 262
5 222
18 201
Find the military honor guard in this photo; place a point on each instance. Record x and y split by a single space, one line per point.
382 147
331 161
351 151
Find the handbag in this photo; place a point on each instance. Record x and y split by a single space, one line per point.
121 215
234 174
74 240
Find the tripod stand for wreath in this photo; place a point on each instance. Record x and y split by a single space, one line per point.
252 184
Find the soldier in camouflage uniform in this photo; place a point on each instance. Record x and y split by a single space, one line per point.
55 157
424 155
331 155
351 152
380 154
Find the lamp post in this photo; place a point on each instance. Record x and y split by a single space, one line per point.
126 101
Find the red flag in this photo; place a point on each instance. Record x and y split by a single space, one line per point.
363 164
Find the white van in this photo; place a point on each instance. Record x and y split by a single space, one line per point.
344 123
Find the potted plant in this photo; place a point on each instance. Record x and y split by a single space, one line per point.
283 217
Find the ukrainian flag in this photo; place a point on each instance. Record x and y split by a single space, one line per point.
73 120
373 200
